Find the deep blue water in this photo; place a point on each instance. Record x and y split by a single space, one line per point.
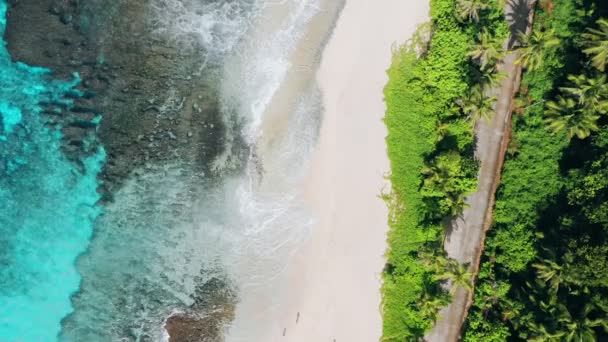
47 203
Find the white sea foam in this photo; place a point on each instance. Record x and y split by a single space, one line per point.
215 25
277 224
256 71
168 230
272 222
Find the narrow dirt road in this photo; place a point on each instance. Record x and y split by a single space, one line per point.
465 239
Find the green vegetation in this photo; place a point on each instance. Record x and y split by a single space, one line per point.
487 50
536 48
597 44
434 97
544 272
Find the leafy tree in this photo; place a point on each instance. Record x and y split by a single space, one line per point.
487 50
536 47
588 191
596 42
470 9
477 105
566 114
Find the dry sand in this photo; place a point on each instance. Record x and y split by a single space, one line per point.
335 278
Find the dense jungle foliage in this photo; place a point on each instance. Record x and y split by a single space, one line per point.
544 273
435 95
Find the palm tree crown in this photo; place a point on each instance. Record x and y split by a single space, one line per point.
477 106
581 328
596 41
539 333
487 50
470 9
489 77
566 114
535 47
459 275
549 272
591 93
430 305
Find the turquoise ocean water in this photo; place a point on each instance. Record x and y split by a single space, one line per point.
47 203
72 270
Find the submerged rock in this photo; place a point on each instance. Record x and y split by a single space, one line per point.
111 48
208 316
123 65
183 328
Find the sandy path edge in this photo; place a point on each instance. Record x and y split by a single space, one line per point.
335 279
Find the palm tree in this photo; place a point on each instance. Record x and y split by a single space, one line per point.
459 275
436 174
487 50
592 93
596 41
581 328
470 9
510 311
535 47
433 262
549 305
490 78
430 305
541 334
442 170
549 272
566 114
456 202
476 105
442 130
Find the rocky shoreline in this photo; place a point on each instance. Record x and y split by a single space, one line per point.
144 98
154 103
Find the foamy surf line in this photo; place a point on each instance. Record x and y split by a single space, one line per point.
168 232
274 220
292 126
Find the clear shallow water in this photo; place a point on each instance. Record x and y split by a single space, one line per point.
171 229
78 272
47 204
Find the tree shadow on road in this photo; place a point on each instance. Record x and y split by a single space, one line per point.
518 18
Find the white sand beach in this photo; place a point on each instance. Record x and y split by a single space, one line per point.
335 279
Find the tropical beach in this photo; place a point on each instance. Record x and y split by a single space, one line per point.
303 170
